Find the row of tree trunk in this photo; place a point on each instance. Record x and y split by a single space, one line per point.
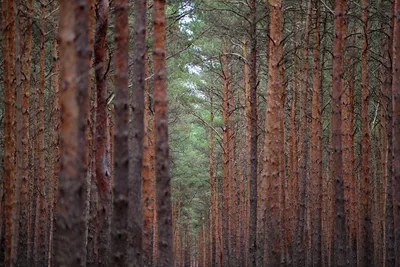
285 212
83 203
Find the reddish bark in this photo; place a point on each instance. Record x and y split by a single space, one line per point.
163 179
273 168
339 251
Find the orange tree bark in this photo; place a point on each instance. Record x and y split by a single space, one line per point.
273 171
119 225
103 169
366 237
139 51
225 158
396 130
9 117
24 201
212 188
316 148
252 136
163 179
148 185
336 114
70 222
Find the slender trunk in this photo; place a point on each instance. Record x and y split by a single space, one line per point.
24 206
316 149
103 169
336 118
56 144
9 118
18 134
139 51
225 158
273 170
82 94
396 130
389 214
41 206
252 136
119 225
366 237
301 246
163 179
212 188
348 156
148 185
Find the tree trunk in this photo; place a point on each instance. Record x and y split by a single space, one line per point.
83 88
103 169
336 119
139 51
316 149
55 159
389 223
273 168
119 225
9 131
163 180
70 224
252 135
213 190
396 129
41 206
366 235
24 201
225 158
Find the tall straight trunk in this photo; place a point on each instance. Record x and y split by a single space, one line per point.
18 133
163 179
389 214
103 169
301 247
366 235
252 135
24 201
336 121
396 130
41 206
188 251
70 223
213 190
55 160
316 149
9 118
139 51
148 184
121 205
225 158
83 88
273 171
232 177
293 177
348 155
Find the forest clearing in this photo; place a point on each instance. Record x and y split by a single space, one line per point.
196 133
